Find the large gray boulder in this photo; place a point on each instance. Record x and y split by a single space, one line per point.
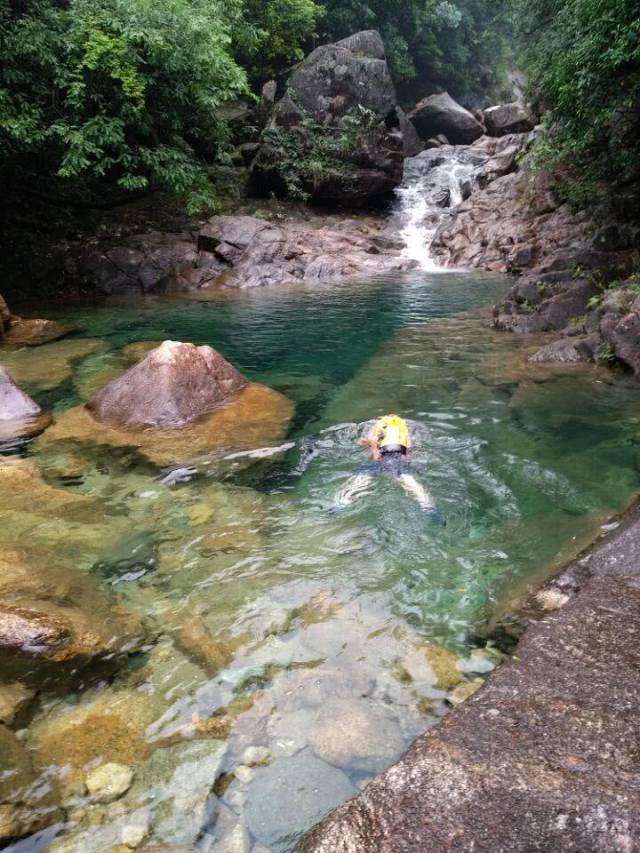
342 93
172 386
441 114
508 118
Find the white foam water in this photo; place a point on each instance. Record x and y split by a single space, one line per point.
435 183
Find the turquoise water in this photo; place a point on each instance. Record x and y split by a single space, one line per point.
264 601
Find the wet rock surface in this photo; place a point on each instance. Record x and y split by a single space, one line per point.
34 333
315 785
257 417
511 225
543 756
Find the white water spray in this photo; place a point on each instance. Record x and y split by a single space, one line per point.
435 183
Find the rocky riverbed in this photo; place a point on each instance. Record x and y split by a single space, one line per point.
543 755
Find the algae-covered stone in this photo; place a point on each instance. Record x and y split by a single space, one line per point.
25 806
108 782
47 367
356 735
108 726
444 665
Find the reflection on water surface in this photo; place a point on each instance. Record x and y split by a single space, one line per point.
286 650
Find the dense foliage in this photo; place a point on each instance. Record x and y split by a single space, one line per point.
128 92
583 57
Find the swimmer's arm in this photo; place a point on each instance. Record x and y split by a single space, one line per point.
371 441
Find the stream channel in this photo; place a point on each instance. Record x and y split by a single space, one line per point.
296 648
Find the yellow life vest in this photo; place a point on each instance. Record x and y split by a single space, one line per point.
391 431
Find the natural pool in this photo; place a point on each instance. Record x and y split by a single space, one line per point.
292 649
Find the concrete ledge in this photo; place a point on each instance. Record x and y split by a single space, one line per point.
546 756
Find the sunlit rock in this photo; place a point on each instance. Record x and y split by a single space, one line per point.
20 416
172 386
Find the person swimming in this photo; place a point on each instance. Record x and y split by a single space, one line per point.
389 443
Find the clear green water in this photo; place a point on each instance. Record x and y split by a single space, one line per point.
302 605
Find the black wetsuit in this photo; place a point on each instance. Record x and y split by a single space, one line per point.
393 460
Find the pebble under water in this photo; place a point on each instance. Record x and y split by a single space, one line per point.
293 648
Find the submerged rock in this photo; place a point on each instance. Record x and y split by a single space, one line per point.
257 417
178 402
106 727
181 779
48 367
108 782
356 735
288 795
440 114
20 416
26 807
544 756
13 697
35 333
49 612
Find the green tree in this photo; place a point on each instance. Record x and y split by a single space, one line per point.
274 34
583 58
121 91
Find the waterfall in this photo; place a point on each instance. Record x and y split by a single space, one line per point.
435 183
